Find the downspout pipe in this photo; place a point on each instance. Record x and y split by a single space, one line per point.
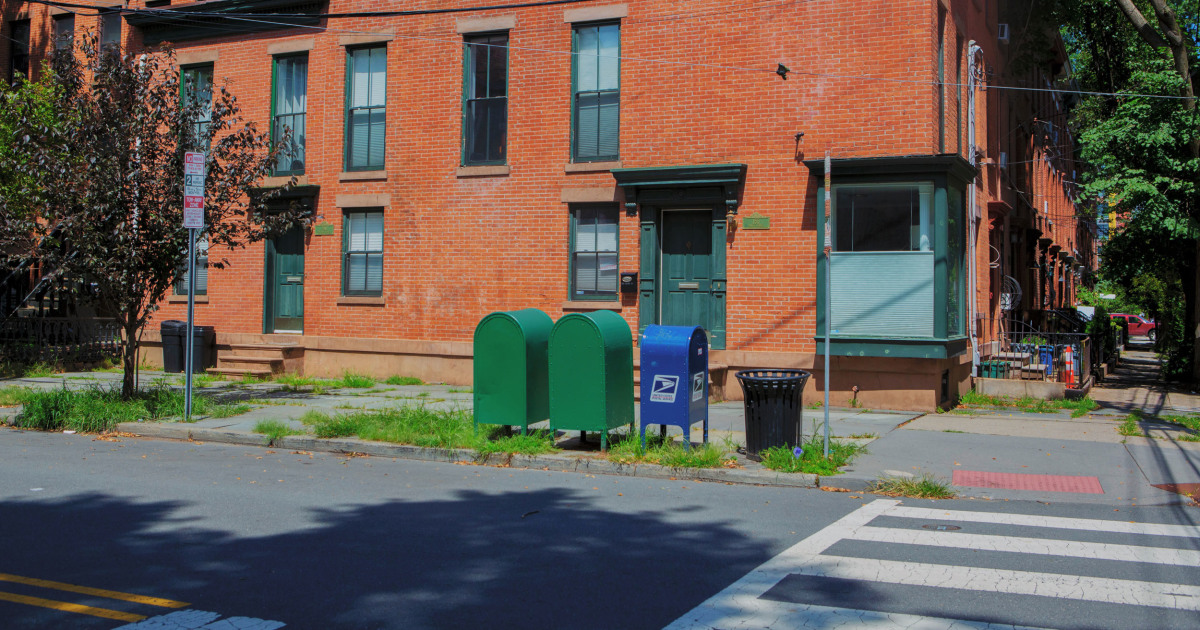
973 49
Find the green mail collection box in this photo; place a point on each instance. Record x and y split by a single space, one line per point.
591 373
511 385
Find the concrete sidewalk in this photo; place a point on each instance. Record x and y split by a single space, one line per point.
989 453
1052 457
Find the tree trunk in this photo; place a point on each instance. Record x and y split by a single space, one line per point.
1191 288
129 352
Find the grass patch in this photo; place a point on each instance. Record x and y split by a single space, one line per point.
225 410
498 440
1188 438
354 380
14 395
1189 422
923 487
251 379
812 458
275 429
38 370
952 431
862 436
410 424
1131 428
97 409
204 380
404 380
664 451
1038 405
460 390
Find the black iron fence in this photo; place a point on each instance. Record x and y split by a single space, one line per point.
59 339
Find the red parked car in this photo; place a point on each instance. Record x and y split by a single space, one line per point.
1138 325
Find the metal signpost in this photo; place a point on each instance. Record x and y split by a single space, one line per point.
828 291
193 220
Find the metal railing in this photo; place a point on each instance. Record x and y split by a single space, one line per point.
1022 352
59 339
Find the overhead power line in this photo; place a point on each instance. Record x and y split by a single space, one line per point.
266 19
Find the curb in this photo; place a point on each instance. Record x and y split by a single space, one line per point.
563 463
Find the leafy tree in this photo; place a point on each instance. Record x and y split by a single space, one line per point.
107 181
1142 152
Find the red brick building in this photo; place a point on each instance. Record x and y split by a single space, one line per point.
645 157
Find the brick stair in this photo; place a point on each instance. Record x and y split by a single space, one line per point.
258 359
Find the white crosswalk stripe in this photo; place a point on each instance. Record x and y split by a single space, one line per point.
742 604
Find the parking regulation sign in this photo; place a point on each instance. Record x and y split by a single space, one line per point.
193 190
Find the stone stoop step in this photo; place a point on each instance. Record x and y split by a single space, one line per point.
255 359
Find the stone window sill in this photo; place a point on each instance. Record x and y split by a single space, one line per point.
592 167
360 300
182 299
483 171
357 176
588 305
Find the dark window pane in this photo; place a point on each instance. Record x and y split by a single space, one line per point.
18 49
881 218
64 31
485 108
594 258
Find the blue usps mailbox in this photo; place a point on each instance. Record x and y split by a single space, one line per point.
674 378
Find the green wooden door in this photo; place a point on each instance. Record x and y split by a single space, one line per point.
686 268
285 283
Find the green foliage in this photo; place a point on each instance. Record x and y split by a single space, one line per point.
1142 158
404 380
536 442
99 183
627 449
274 429
923 487
1038 405
813 460
1131 428
354 380
96 409
14 395
410 424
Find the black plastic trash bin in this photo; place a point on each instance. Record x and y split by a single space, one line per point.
203 338
773 409
173 333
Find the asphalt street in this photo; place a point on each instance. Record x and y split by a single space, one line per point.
159 534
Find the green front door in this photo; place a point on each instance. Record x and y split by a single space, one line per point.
284 303
686 268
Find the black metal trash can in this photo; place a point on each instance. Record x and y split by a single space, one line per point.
203 341
773 409
173 333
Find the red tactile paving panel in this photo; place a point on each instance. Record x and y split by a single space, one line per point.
1023 481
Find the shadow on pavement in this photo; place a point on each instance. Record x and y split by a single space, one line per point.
536 559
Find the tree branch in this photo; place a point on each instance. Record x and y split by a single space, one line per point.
1143 27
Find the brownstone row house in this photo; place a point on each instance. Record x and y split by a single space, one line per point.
664 160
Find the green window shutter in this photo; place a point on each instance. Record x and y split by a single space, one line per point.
596 93
366 97
362 244
289 107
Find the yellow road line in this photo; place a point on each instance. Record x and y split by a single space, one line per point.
69 607
98 592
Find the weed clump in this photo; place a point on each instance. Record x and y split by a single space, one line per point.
923 487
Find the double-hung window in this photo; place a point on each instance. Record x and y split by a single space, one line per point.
366 96
289 107
110 27
64 31
596 92
362 246
181 284
594 252
18 49
485 100
196 87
